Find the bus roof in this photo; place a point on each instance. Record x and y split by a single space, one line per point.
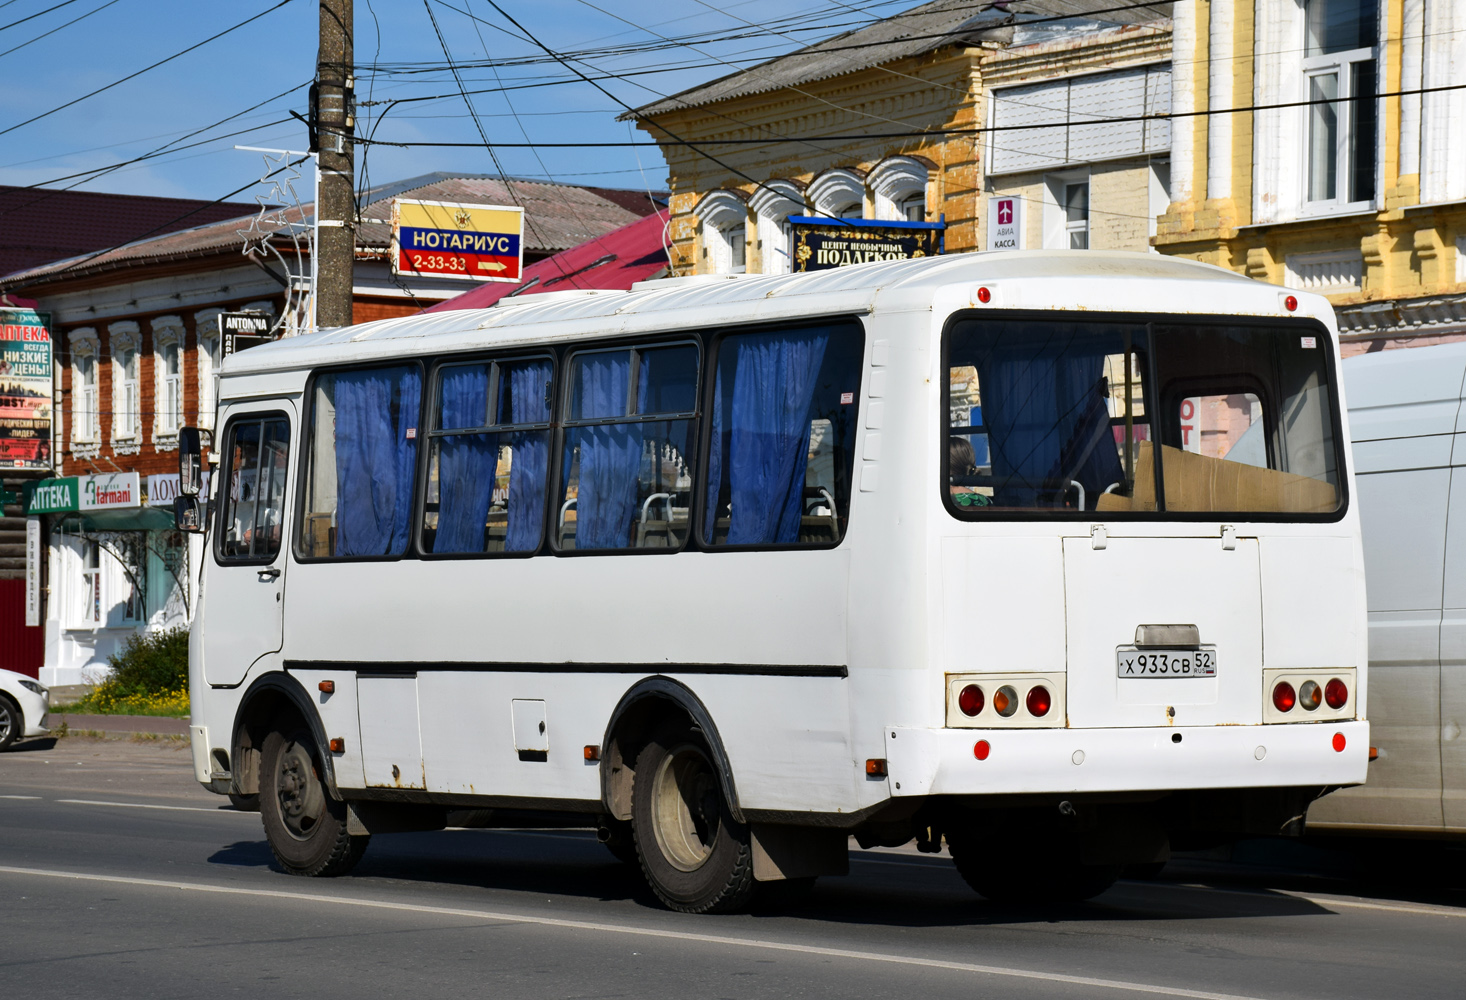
708 300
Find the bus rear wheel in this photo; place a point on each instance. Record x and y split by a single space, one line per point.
695 856
1032 870
306 828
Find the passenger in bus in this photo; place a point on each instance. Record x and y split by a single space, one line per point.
963 462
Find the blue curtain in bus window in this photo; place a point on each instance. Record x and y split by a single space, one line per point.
610 455
1047 422
767 439
375 459
466 462
529 403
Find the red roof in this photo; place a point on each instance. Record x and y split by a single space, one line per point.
39 225
636 252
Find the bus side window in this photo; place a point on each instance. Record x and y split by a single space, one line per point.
488 459
253 506
363 459
626 472
782 448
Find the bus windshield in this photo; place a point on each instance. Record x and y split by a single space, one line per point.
1082 415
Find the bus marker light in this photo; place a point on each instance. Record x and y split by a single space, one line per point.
1284 697
326 687
1038 701
1310 695
1005 701
971 700
981 749
984 295
1374 753
1336 693
875 767
592 752
1291 303
338 745
1339 742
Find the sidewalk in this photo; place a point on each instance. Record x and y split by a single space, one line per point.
119 725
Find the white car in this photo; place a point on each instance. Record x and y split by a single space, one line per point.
23 707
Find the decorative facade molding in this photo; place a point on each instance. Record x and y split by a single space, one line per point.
86 351
773 202
834 190
122 337
895 180
1438 315
168 331
1328 272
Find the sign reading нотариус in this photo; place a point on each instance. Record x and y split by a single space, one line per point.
449 240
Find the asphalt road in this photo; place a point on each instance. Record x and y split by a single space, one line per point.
119 877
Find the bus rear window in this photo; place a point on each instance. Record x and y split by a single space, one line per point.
1180 417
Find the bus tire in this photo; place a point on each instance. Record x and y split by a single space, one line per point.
245 803
1040 870
305 826
695 856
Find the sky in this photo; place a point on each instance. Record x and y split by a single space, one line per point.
526 96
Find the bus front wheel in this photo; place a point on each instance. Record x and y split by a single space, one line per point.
306 828
695 856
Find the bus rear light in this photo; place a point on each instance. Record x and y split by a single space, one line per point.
1310 695
1291 303
1284 698
1336 693
981 749
1005 701
875 767
984 295
1339 742
1038 701
971 700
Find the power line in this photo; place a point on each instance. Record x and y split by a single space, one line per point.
145 69
32 17
1117 120
96 10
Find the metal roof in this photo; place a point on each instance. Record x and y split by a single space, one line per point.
912 33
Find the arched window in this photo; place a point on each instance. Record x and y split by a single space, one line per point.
839 194
167 381
210 353
724 218
85 408
899 186
124 343
772 203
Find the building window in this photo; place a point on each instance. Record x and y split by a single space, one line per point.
207 325
88 608
85 407
724 218
1076 215
168 381
126 426
1340 67
838 194
898 188
772 203
172 408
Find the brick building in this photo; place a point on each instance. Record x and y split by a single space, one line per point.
137 340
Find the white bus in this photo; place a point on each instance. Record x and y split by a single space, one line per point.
1049 556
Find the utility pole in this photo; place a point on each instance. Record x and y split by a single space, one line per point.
335 115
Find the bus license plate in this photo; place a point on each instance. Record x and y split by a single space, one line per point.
1168 663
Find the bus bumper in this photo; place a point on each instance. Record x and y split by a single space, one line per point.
1017 761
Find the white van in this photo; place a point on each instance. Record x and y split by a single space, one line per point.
1409 433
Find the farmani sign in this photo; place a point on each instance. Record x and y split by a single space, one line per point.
821 244
449 240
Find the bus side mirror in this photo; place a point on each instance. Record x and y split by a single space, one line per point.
188 514
190 463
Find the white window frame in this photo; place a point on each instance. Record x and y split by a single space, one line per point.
168 331
772 204
837 192
1341 64
1056 228
124 337
86 424
210 355
897 182
724 216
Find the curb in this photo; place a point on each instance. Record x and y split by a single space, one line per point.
119 725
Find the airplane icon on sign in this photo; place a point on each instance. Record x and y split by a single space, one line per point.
1005 213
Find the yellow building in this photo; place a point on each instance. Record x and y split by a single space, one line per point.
889 123
1347 175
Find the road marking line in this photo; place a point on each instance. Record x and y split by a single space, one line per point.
144 805
586 925
27 797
